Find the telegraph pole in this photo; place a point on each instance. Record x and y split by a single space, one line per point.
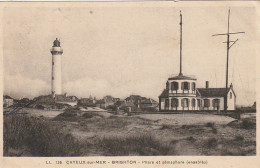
228 47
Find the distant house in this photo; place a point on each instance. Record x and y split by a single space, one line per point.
106 102
148 103
87 101
135 99
64 99
44 100
141 102
7 101
254 105
126 106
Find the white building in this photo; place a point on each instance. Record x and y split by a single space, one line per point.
181 93
7 101
214 98
189 98
56 81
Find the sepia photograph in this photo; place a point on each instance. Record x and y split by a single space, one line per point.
129 81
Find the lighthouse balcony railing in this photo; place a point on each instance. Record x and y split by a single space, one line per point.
56 49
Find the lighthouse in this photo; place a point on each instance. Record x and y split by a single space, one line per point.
56 85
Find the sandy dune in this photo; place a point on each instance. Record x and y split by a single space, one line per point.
186 119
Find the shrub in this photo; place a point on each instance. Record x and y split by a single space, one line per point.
247 124
210 124
87 115
111 123
174 141
214 130
144 145
165 127
239 138
38 136
211 143
191 138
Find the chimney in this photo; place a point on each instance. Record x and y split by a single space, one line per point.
207 84
231 86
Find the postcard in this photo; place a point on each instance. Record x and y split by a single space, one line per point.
130 84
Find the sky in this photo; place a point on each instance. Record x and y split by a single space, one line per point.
120 51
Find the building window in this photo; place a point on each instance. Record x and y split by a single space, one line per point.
185 85
167 85
185 102
230 95
166 105
174 86
193 86
206 103
215 102
193 102
198 102
175 102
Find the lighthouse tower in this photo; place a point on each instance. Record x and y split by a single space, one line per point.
56 85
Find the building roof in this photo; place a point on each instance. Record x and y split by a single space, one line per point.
213 92
56 43
126 104
7 97
63 98
182 77
165 93
148 101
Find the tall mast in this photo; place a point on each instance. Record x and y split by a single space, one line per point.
225 102
228 47
180 44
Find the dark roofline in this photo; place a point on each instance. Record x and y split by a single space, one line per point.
7 97
217 88
181 77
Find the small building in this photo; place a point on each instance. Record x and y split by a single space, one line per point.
106 102
214 98
142 103
7 101
87 101
64 99
148 103
126 106
179 95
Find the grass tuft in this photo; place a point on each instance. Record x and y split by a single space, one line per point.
247 124
211 143
191 138
144 145
239 138
210 124
38 137
165 127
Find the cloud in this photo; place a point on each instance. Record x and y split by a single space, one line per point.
100 87
19 86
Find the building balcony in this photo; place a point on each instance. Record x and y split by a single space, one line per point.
58 49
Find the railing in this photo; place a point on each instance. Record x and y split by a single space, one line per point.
56 49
